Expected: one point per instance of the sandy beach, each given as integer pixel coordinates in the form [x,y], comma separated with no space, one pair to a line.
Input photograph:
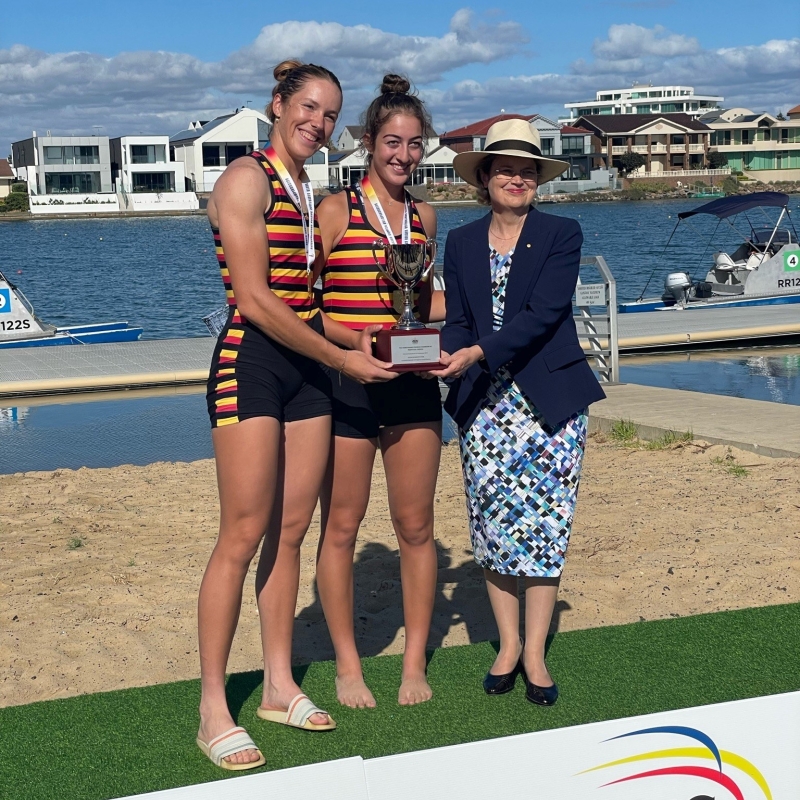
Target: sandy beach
[101,567]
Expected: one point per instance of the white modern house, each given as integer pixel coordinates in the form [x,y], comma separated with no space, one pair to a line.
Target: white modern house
[66,174]
[644,98]
[206,148]
[144,177]
[350,137]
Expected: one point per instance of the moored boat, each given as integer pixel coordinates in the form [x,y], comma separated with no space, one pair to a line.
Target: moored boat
[20,327]
[764,270]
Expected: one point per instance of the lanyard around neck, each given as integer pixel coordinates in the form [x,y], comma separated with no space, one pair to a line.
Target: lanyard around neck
[367,189]
[291,189]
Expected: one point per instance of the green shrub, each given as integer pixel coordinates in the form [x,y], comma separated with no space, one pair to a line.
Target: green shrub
[730,185]
[22,188]
[16,201]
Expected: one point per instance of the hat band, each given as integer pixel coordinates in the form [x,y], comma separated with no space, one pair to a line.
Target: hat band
[514,144]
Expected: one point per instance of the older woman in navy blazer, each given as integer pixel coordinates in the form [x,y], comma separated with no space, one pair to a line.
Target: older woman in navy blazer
[519,392]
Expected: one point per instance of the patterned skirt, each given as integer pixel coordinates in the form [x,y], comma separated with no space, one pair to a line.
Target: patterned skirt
[521,481]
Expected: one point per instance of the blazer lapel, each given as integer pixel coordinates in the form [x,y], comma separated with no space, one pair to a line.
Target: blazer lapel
[478,277]
[529,254]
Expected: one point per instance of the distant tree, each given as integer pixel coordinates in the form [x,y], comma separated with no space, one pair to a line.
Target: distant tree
[780,116]
[730,185]
[717,160]
[632,161]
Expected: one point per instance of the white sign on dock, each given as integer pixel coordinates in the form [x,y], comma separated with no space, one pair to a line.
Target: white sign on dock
[590,294]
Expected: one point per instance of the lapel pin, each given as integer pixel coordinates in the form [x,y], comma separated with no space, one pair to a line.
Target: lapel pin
[528,245]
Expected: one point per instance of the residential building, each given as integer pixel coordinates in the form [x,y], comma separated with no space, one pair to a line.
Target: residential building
[207,148]
[473,136]
[644,98]
[144,177]
[7,177]
[669,143]
[350,137]
[793,113]
[759,145]
[66,173]
[577,146]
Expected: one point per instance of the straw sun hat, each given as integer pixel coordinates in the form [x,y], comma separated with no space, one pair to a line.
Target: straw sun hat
[509,137]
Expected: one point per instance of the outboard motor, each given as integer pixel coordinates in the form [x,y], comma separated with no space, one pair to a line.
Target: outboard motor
[678,288]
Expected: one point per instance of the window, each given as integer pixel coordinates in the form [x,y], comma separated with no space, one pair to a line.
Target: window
[148,153]
[657,94]
[71,182]
[782,159]
[572,145]
[53,155]
[642,109]
[211,155]
[234,151]
[605,97]
[153,182]
[547,147]
[747,137]
[671,108]
[317,158]
[86,154]
[677,138]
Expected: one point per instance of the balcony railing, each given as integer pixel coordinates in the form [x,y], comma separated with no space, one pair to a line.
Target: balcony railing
[682,173]
[677,148]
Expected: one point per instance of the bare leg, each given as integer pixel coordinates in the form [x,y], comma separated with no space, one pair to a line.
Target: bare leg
[504,600]
[411,458]
[540,600]
[344,499]
[303,459]
[246,497]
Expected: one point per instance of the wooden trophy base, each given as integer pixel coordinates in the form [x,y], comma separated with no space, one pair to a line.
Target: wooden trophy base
[417,350]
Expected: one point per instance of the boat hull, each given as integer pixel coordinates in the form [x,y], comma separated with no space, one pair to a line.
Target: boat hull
[104,333]
[740,301]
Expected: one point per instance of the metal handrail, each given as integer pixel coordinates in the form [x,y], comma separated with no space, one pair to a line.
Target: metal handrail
[605,354]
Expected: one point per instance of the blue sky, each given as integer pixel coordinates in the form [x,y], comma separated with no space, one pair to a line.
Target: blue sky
[153,66]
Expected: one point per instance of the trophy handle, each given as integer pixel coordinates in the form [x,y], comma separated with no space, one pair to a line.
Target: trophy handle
[431,248]
[386,271]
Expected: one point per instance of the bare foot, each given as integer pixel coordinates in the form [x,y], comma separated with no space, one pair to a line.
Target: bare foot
[212,725]
[414,690]
[277,698]
[353,692]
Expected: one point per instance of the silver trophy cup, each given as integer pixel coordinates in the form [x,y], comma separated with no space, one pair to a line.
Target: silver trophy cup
[405,265]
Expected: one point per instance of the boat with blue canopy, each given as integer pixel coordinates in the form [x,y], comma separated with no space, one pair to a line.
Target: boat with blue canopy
[763,270]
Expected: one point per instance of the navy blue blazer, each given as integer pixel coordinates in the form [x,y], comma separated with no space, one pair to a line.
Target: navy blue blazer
[538,341]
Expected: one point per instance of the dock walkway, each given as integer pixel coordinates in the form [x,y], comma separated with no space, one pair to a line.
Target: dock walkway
[771,429]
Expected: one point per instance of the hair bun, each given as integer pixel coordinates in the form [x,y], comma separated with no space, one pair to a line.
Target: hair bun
[284,68]
[395,84]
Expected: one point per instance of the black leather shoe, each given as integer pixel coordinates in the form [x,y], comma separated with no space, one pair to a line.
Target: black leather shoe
[541,695]
[501,684]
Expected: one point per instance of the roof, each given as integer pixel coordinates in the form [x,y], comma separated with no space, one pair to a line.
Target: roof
[795,110]
[622,123]
[5,169]
[356,131]
[481,127]
[570,129]
[189,135]
[728,206]
[338,155]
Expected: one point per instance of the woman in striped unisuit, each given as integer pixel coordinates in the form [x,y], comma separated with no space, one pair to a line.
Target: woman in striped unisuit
[404,417]
[269,403]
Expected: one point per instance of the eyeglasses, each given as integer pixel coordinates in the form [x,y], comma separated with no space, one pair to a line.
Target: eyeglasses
[527,174]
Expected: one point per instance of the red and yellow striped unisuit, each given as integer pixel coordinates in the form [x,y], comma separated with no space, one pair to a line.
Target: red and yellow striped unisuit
[354,291]
[288,278]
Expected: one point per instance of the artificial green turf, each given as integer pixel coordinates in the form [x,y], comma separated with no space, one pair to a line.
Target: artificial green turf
[140,740]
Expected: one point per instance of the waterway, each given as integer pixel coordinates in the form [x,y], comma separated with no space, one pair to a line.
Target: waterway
[161,273]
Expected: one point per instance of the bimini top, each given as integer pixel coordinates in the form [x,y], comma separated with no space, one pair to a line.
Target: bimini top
[728,206]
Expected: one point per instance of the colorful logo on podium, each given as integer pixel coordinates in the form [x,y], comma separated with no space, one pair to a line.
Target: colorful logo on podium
[726,769]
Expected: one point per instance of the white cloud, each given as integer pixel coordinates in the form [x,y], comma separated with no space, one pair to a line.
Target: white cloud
[161,91]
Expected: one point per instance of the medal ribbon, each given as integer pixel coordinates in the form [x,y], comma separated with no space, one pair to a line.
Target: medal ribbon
[405,236]
[291,189]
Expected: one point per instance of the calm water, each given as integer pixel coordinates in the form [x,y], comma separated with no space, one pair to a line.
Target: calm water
[161,273]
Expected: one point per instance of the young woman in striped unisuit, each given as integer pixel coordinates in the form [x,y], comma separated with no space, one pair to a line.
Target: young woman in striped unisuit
[404,418]
[269,403]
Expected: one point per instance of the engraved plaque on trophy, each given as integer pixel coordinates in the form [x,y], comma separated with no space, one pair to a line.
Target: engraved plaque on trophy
[409,345]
